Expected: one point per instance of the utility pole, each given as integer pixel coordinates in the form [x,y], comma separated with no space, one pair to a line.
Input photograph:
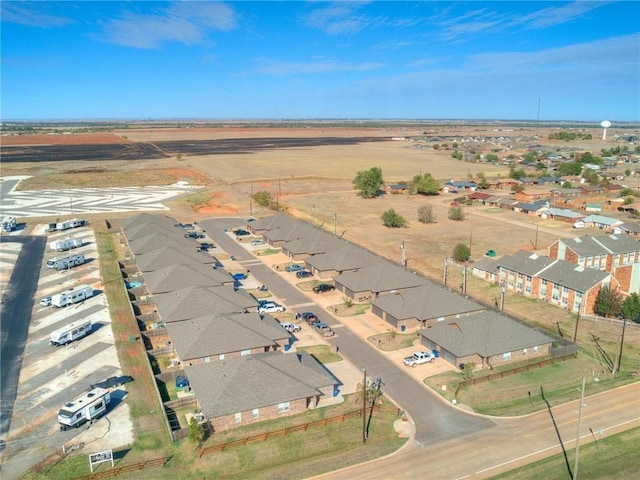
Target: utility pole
[335,223]
[575,332]
[251,201]
[624,326]
[470,234]
[446,267]
[403,255]
[279,188]
[313,214]
[464,279]
[504,289]
[575,466]
[364,408]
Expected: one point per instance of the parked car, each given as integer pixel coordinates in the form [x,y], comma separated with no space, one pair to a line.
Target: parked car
[240,276]
[206,246]
[257,242]
[271,307]
[291,327]
[304,274]
[186,226]
[324,329]
[45,302]
[294,267]
[241,233]
[309,317]
[323,287]
[194,234]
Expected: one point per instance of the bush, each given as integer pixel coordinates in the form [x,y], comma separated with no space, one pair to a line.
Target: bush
[461,252]
[426,214]
[392,219]
[263,198]
[456,213]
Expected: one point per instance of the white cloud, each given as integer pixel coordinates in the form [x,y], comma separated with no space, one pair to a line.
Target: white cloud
[32,14]
[182,22]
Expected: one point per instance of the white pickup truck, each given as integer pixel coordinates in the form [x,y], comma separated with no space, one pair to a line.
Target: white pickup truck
[419,357]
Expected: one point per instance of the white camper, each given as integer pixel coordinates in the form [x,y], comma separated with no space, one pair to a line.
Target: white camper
[73,223]
[70,332]
[86,408]
[73,295]
[68,243]
[62,263]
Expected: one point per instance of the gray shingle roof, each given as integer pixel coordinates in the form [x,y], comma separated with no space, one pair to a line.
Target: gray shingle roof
[524,262]
[424,303]
[170,255]
[630,227]
[380,277]
[347,258]
[212,335]
[175,277]
[196,301]
[486,334]
[144,218]
[486,264]
[151,228]
[160,240]
[587,246]
[315,243]
[243,383]
[573,276]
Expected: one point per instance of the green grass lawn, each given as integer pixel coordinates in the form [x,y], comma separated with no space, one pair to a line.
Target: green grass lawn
[322,352]
[392,341]
[613,457]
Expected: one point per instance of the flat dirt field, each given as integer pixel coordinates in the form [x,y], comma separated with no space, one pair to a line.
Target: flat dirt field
[313,180]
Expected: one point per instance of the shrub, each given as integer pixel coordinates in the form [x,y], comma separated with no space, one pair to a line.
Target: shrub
[456,213]
[392,219]
[461,252]
[426,214]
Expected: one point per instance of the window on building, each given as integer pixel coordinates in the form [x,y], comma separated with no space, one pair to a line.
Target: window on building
[506,356]
[221,356]
[207,359]
[255,413]
[245,352]
[535,349]
[238,417]
[524,352]
[283,407]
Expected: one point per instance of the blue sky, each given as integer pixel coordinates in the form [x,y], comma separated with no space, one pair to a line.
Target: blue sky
[257,60]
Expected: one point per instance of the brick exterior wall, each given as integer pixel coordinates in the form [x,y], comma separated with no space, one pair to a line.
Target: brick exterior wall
[498,360]
[623,276]
[220,424]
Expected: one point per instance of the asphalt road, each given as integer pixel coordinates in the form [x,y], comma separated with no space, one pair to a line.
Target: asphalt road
[435,421]
[15,315]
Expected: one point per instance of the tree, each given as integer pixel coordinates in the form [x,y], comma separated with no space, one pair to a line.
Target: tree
[570,168]
[631,307]
[196,431]
[392,219]
[263,198]
[518,187]
[467,370]
[483,183]
[425,184]
[461,252]
[491,157]
[456,214]
[608,302]
[426,214]
[529,157]
[369,182]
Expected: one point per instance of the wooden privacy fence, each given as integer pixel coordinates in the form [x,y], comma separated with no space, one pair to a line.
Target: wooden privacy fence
[514,371]
[285,431]
[114,472]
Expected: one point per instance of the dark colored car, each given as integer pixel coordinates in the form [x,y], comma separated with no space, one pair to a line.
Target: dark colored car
[304,274]
[241,233]
[194,234]
[309,317]
[186,226]
[323,287]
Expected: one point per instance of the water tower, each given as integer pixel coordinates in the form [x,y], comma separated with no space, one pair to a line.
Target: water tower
[605,124]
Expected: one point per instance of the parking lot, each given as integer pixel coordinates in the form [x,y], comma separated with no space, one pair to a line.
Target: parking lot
[51,376]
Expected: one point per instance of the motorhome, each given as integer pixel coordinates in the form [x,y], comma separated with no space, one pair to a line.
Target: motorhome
[70,332]
[72,295]
[68,243]
[62,263]
[88,407]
